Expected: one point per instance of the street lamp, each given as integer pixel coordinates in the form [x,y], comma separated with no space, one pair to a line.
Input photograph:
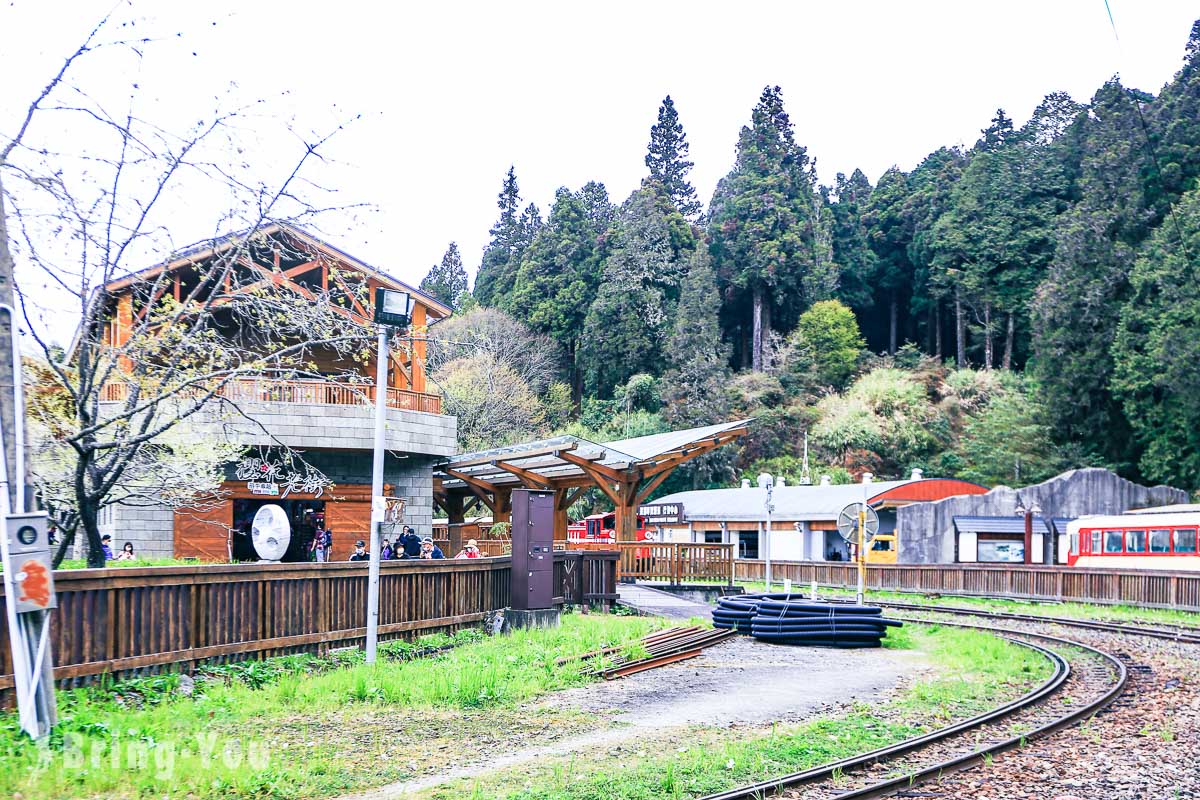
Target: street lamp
[393,309]
[765,481]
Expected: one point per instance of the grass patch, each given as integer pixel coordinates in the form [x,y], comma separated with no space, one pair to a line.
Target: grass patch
[977,671]
[287,729]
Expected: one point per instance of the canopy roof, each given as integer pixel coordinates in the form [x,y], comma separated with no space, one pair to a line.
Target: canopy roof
[568,459]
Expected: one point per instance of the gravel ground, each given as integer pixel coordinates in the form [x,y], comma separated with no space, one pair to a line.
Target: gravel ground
[1144,747]
[744,680]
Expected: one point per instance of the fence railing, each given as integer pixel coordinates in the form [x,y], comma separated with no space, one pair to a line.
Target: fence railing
[124,621]
[1089,585]
[673,562]
[307,392]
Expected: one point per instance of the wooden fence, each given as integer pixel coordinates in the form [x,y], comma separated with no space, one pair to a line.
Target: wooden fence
[1089,585]
[672,562]
[307,392]
[124,621]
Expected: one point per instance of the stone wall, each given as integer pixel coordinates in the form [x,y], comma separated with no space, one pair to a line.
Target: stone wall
[335,427]
[927,529]
[150,529]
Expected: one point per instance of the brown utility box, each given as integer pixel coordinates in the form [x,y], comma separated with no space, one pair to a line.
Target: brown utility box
[532,549]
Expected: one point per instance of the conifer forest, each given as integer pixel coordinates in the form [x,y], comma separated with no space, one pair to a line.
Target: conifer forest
[999,313]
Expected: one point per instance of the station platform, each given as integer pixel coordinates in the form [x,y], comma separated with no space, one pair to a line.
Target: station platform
[647,600]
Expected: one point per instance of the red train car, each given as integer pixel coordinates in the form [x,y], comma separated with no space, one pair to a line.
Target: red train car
[1165,539]
[601,528]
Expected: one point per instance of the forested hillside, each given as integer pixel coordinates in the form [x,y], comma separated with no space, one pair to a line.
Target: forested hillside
[997,313]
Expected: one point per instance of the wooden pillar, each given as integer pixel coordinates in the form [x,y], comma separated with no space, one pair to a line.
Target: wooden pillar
[626,511]
[503,505]
[454,516]
[560,513]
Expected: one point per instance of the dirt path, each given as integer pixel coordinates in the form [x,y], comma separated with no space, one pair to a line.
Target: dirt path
[739,682]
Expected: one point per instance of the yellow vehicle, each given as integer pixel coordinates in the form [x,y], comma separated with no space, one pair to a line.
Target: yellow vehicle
[882,549]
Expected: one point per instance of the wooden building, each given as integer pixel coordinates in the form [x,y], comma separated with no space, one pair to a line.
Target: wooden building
[327,418]
[803,525]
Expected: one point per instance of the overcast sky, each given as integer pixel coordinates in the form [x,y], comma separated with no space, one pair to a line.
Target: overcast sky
[453,93]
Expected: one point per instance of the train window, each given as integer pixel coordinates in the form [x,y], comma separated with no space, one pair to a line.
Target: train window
[1074,544]
[1185,540]
[1135,541]
[1160,541]
[1095,542]
[1112,541]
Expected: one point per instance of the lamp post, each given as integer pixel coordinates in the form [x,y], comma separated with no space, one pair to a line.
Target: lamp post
[765,481]
[393,310]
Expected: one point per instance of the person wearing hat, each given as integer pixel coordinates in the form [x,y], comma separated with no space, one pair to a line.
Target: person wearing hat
[470,551]
[430,550]
[360,551]
[106,546]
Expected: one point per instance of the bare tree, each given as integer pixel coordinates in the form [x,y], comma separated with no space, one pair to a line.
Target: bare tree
[90,196]
[536,359]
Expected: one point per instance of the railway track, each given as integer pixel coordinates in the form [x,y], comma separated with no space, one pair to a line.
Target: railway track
[1085,682]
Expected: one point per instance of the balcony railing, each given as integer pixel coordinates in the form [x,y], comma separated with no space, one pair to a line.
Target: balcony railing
[307,392]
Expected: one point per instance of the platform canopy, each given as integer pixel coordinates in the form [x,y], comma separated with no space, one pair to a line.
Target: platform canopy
[626,471]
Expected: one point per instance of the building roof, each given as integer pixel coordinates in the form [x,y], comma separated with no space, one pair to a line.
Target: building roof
[795,503]
[1175,508]
[1013,524]
[545,458]
[208,248]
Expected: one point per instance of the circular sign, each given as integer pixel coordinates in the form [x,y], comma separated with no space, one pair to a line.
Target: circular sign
[847,522]
[27,534]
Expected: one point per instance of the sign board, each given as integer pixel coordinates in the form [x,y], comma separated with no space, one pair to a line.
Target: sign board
[30,562]
[661,513]
[264,488]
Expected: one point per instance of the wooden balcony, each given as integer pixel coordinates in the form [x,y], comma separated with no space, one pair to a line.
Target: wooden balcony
[306,392]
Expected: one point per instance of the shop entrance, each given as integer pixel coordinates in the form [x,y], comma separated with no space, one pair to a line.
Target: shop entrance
[306,517]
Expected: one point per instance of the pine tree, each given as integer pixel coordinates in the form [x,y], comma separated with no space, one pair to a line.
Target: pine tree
[648,249]
[560,271]
[1157,353]
[930,187]
[501,257]
[694,386]
[1077,306]
[889,233]
[770,231]
[667,159]
[851,241]
[447,281]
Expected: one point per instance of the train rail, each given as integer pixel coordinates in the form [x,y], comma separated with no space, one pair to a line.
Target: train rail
[1081,671]
[1175,633]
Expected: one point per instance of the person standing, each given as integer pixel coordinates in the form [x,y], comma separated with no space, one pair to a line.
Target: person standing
[318,547]
[328,543]
[411,543]
[386,553]
[106,547]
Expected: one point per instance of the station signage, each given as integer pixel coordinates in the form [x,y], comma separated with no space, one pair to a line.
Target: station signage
[661,513]
[263,488]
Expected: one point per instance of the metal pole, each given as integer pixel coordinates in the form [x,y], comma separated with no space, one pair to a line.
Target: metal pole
[770,486]
[377,503]
[862,544]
